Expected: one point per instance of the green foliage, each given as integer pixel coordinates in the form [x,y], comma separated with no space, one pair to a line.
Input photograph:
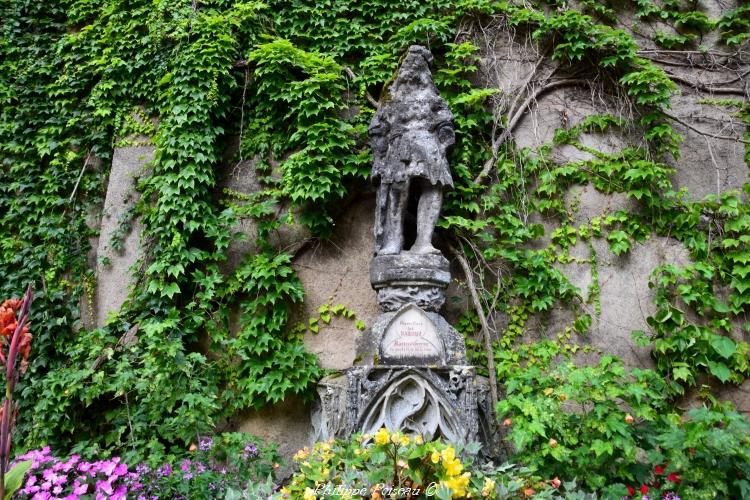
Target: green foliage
[734,25]
[609,427]
[272,364]
[14,478]
[594,443]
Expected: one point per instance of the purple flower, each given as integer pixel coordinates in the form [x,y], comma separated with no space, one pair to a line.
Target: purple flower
[120,493]
[120,470]
[142,469]
[671,495]
[57,490]
[185,465]
[42,495]
[107,467]
[250,451]
[84,467]
[205,444]
[200,467]
[165,470]
[187,476]
[30,489]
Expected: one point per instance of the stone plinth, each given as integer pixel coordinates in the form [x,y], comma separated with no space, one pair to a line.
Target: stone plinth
[410,278]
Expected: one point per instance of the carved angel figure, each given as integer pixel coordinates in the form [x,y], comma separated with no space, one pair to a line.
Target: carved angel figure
[409,136]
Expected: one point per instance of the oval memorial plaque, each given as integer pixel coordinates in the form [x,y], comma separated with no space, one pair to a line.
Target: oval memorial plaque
[411,338]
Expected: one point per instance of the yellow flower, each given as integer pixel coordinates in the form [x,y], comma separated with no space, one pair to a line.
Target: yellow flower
[358,452]
[309,494]
[381,437]
[448,454]
[458,485]
[286,491]
[453,467]
[418,440]
[301,454]
[548,391]
[435,457]
[395,438]
[404,440]
[489,487]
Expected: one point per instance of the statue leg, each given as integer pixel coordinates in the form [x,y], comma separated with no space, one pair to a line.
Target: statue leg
[393,230]
[428,212]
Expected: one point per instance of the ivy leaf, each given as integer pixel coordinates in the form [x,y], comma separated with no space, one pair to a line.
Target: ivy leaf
[719,370]
[724,346]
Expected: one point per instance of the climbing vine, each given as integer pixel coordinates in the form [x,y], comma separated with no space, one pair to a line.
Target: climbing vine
[297,83]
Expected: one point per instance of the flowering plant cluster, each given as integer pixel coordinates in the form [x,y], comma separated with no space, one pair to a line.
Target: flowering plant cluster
[50,477]
[395,465]
[214,466]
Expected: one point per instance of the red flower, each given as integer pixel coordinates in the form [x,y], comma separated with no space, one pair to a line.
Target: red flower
[644,489]
[673,477]
[631,491]
[659,469]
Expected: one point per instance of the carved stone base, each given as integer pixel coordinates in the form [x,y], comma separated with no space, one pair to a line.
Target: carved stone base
[410,278]
[450,403]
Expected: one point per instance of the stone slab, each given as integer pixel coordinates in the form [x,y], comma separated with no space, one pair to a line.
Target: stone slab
[113,269]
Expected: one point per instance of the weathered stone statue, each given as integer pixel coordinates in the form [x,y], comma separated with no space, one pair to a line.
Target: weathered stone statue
[409,136]
[412,371]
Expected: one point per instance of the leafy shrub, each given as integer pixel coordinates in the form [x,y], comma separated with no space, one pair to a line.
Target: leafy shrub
[614,430]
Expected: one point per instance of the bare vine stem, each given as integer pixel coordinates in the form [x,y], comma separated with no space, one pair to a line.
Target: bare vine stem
[703,132]
[706,88]
[464,263]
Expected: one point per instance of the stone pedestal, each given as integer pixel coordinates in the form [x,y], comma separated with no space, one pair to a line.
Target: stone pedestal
[412,373]
[410,278]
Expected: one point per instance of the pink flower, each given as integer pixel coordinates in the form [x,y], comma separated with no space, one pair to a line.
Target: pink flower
[120,470]
[80,489]
[120,493]
[108,467]
[104,486]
